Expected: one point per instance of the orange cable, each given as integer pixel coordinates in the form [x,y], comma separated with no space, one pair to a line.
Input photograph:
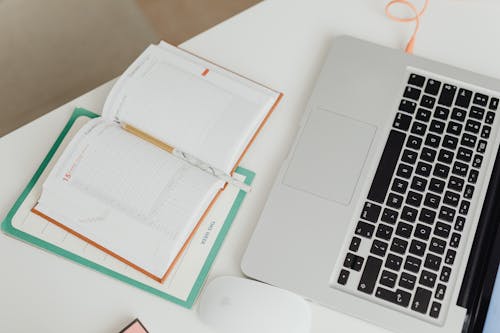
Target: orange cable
[416,18]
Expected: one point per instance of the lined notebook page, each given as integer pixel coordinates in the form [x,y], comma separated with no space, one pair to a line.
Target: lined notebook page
[170,95]
[126,195]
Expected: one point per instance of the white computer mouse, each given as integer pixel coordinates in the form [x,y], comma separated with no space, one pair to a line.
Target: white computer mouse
[234,304]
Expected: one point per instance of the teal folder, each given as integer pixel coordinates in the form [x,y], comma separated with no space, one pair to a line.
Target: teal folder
[9,229]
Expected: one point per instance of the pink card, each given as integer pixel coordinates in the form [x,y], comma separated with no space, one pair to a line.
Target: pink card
[135,327]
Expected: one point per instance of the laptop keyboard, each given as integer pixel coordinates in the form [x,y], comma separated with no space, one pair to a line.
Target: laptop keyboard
[407,241]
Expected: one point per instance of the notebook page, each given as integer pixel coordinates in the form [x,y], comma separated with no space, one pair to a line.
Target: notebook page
[126,195]
[211,116]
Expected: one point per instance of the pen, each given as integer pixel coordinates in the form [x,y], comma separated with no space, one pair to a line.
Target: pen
[187,157]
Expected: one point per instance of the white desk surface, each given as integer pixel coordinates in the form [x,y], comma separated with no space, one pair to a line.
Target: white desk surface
[280,43]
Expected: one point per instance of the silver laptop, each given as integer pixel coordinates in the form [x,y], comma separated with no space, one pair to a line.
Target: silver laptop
[384,196]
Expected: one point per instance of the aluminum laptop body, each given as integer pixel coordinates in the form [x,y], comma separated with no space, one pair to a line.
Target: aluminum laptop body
[313,210]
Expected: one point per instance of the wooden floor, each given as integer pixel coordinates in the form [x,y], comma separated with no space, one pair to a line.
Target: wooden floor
[56,50]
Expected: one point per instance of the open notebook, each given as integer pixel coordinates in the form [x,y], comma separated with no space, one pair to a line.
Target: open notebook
[188,275]
[126,195]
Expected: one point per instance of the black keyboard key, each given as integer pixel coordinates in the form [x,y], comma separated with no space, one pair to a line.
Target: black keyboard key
[399,185]
[389,216]
[412,264]
[416,80]
[432,200]
[427,216]
[365,229]
[447,95]
[447,214]
[435,309]
[407,280]
[456,183]
[463,98]
[428,154]
[458,114]
[399,245]
[441,170]
[454,128]
[464,207]
[468,140]
[445,274]
[485,132]
[427,279]
[476,112]
[432,140]
[418,183]
[432,87]
[445,156]
[427,101]
[477,161]
[402,121]
[437,245]
[481,146]
[451,198]
[468,192]
[417,247]
[472,126]
[432,261]
[404,170]
[349,260]
[440,291]
[423,115]
[407,106]
[388,279]
[455,240]
[464,154]
[494,104]
[422,231]
[379,248]
[394,200]
[384,231]
[421,300]
[418,128]
[409,156]
[423,169]
[358,263]
[442,230]
[450,142]
[437,126]
[370,274]
[414,199]
[441,113]
[343,277]
[450,257]
[409,214]
[473,174]
[490,117]
[404,230]
[386,166]
[393,262]
[460,169]
[370,212]
[414,142]
[480,99]
[437,185]
[459,223]
[354,246]
[398,297]
[412,93]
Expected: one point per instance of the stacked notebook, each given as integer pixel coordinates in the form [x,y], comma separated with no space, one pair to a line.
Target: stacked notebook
[142,192]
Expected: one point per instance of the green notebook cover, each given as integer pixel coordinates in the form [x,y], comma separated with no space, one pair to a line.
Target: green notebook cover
[8,228]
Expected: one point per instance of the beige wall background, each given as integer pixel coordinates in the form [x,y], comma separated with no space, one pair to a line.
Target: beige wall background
[52,51]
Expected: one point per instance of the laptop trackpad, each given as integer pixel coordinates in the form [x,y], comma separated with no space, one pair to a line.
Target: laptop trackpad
[329,156]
